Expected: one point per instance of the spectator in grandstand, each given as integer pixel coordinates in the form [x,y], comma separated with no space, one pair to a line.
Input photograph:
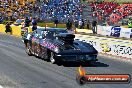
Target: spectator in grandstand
[27,22]
[34,21]
[92,9]
[123,22]
[8,28]
[19,21]
[130,23]
[1,19]
[94,27]
[34,24]
[80,24]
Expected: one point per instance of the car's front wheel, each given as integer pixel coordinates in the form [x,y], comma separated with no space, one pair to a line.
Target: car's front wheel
[52,58]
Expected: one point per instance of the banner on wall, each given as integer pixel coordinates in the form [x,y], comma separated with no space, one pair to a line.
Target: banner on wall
[107,30]
[125,32]
[104,30]
[123,49]
[115,31]
[99,29]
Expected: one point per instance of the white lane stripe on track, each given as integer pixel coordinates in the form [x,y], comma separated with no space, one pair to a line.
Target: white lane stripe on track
[1,86]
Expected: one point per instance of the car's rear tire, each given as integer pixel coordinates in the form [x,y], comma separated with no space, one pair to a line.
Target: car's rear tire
[44,54]
[28,49]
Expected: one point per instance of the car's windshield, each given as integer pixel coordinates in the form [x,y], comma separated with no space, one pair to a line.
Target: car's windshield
[52,33]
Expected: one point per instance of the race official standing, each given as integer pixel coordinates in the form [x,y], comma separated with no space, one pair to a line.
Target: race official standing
[80,24]
[56,22]
[69,24]
[94,27]
[75,25]
[8,28]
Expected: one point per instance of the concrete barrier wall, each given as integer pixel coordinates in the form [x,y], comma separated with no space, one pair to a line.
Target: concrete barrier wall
[2,28]
[16,30]
[115,47]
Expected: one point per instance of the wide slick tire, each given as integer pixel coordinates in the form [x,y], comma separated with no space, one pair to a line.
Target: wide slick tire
[44,54]
[53,60]
[28,49]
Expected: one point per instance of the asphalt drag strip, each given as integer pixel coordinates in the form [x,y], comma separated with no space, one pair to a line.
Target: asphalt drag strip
[18,70]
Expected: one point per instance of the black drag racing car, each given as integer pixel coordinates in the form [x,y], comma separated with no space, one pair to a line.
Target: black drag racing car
[57,45]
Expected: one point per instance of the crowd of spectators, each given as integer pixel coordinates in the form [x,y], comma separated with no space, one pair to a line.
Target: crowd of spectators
[110,12]
[101,10]
[62,10]
[121,12]
[57,11]
[12,9]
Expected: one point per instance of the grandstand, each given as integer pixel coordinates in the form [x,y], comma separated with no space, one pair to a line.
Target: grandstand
[110,12]
[46,10]
[61,10]
[121,12]
[14,9]
[116,1]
